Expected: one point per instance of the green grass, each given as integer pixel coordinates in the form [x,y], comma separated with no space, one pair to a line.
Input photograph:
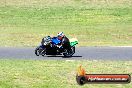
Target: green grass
[100,23]
[57,73]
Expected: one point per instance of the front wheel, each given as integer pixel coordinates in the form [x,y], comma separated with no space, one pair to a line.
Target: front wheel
[40,51]
[69,53]
[37,51]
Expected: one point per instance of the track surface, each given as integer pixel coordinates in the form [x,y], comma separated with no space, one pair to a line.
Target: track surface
[90,53]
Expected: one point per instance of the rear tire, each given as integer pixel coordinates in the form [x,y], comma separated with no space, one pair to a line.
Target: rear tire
[69,53]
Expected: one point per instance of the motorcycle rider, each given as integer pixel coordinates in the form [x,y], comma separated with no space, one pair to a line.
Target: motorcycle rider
[65,43]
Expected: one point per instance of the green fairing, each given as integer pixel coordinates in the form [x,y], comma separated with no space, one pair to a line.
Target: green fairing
[73,43]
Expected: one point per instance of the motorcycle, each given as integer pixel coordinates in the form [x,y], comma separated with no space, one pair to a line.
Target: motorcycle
[50,46]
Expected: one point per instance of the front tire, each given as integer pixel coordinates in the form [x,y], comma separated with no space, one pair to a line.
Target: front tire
[43,52]
[40,51]
[37,51]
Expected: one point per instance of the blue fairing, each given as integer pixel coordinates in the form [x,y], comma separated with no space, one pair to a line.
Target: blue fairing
[55,40]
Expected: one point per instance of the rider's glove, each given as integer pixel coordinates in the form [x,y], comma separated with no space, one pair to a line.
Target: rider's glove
[59,46]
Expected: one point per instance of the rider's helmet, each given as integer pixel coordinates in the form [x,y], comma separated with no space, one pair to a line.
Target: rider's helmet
[60,35]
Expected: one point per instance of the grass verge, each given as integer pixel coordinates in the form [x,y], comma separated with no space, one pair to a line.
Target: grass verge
[94,23]
[57,73]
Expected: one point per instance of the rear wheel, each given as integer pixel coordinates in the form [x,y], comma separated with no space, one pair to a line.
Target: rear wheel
[69,53]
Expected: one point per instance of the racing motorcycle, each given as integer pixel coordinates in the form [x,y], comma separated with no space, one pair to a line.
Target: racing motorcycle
[50,46]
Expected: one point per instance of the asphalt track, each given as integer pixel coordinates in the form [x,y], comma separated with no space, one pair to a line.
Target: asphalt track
[82,53]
